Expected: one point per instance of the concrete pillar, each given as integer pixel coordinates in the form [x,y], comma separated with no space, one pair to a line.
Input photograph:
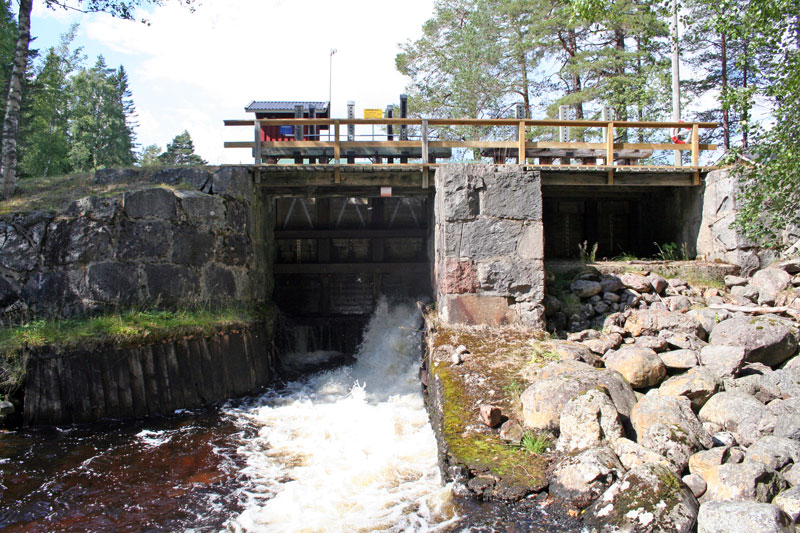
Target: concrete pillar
[489,245]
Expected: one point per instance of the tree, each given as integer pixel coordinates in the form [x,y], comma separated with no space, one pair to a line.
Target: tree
[180,152]
[148,157]
[100,131]
[44,142]
[8,39]
[123,9]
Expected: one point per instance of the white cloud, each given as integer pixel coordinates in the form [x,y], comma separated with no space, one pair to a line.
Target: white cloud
[192,70]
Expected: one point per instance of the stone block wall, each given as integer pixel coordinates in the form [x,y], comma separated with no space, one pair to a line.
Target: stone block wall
[489,245]
[204,240]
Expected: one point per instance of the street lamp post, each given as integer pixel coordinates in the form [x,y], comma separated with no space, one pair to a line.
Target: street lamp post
[330,80]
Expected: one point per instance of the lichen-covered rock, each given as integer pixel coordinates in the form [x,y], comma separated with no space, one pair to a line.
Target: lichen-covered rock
[604,343]
[765,339]
[742,517]
[789,502]
[695,483]
[559,382]
[774,452]
[657,344]
[703,461]
[580,478]
[574,351]
[698,385]
[640,366]
[723,361]
[734,411]
[667,426]
[632,454]
[590,419]
[648,322]
[748,481]
[648,498]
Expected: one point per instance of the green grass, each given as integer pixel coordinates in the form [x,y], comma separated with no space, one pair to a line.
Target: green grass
[56,193]
[535,444]
[112,329]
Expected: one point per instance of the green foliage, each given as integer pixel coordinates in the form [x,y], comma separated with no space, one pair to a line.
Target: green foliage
[148,157]
[180,152]
[670,251]
[514,389]
[535,444]
[586,254]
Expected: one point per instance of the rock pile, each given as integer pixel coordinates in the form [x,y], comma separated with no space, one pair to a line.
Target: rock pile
[684,411]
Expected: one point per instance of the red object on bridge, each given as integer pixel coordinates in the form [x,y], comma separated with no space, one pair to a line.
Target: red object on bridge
[264,109]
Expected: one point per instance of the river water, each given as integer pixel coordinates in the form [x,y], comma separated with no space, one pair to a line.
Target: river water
[345,449]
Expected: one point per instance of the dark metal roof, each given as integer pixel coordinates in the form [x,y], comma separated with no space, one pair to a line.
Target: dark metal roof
[258,106]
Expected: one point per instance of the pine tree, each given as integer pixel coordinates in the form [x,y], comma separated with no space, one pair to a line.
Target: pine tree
[180,152]
[8,38]
[148,157]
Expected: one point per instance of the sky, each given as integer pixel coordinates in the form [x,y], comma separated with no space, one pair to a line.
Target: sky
[193,70]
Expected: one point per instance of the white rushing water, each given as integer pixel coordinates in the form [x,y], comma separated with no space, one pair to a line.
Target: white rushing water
[349,449]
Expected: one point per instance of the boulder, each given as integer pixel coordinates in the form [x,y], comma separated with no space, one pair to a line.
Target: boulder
[729,410]
[667,426]
[742,517]
[770,282]
[747,292]
[647,322]
[632,454]
[703,461]
[636,282]
[580,478]
[156,202]
[678,303]
[490,415]
[648,498]
[604,343]
[611,284]
[774,452]
[574,351]
[658,283]
[588,420]
[583,288]
[559,382]
[695,483]
[683,341]
[723,361]
[679,359]
[789,502]
[765,339]
[511,432]
[734,281]
[657,344]
[641,367]
[698,385]
[748,481]
[792,475]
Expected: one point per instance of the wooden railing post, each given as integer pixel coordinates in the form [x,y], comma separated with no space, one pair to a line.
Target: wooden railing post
[337,153]
[425,168]
[521,149]
[257,143]
[610,152]
[695,145]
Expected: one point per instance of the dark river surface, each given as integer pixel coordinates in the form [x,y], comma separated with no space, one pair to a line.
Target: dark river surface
[345,449]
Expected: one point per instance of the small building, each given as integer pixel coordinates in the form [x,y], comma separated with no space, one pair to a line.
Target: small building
[264,109]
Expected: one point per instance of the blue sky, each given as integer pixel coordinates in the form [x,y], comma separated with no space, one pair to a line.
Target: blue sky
[193,70]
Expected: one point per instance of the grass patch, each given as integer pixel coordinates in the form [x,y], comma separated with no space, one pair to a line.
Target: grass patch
[56,193]
[535,444]
[118,329]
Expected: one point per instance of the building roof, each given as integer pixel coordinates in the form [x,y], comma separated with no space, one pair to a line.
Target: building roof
[259,106]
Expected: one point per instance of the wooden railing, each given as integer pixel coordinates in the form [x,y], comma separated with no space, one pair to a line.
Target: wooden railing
[601,150]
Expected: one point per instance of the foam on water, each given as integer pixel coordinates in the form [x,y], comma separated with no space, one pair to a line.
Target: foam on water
[349,449]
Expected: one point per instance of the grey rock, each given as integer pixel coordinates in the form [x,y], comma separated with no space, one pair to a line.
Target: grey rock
[695,483]
[559,382]
[658,283]
[747,481]
[511,194]
[728,410]
[648,498]
[653,322]
[611,297]
[573,351]
[143,240]
[9,292]
[698,385]
[48,291]
[95,208]
[774,452]
[704,460]
[6,408]
[791,475]
[462,199]
[107,176]
[490,415]
[723,361]
[632,454]
[725,439]
[604,343]
[742,517]
[219,283]
[580,478]
[169,283]
[201,209]
[637,282]
[667,426]
[485,238]
[588,420]
[683,341]
[735,281]
[658,344]
[765,339]
[679,359]
[235,250]
[113,282]
[192,246]
[611,284]
[156,202]
[17,248]
[678,303]
[511,432]
[790,265]
[233,182]
[197,177]
[552,305]
[762,387]
[770,282]
[745,291]
[641,367]
[79,240]
[789,502]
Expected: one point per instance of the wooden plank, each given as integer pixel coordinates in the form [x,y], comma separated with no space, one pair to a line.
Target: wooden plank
[610,144]
[521,140]
[236,122]
[474,144]
[619,179]
[337,148]
[257,144]
[695,145]
[239,144]
[424,142]
[350,268]
[404,233]
[481,122]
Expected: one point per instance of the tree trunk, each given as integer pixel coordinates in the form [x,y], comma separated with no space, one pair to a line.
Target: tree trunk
[8,159]
[726,124]
[746,106]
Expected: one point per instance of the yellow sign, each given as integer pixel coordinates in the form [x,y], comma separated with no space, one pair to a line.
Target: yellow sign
[373,113]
